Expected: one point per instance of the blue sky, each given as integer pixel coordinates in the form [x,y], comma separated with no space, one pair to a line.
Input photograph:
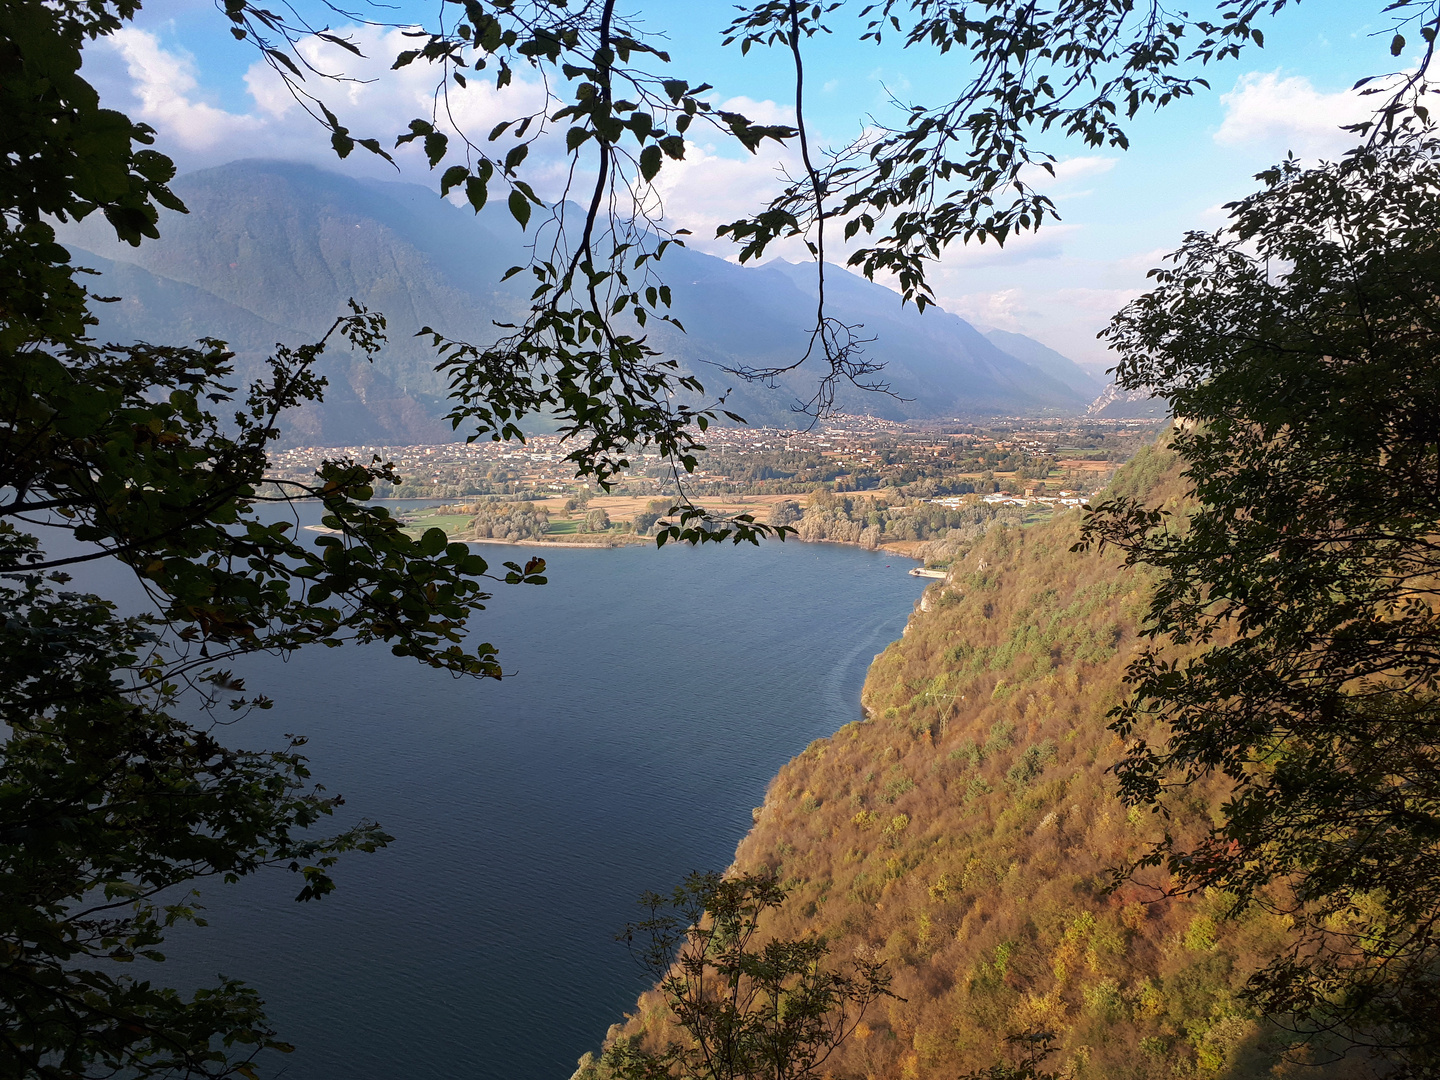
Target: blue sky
[179,69]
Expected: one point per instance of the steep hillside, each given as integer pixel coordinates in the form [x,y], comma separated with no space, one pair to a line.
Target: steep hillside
[965,831]
[271,251]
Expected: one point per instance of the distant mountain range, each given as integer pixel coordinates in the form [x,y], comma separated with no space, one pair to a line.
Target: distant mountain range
[271,251]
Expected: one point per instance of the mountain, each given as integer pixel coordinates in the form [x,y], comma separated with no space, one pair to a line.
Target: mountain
[1046,359]
[937,361]
[271,251]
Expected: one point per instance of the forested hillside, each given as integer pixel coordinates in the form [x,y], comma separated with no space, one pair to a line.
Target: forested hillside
[965,832]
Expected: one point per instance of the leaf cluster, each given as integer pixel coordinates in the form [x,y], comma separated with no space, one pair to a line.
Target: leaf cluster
[108,805]
[1299,346]
[971,168]
[115,791]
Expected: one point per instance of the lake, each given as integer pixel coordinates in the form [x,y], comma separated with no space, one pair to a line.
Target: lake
[654,695]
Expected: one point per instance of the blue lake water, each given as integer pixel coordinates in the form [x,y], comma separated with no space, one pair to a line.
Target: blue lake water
[655,693]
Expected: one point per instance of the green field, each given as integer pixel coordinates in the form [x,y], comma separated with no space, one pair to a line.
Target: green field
[451,523]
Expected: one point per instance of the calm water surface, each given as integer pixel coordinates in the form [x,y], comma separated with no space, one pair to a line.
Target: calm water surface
[655,694]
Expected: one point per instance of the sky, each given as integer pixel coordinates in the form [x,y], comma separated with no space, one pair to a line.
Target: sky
[211,101]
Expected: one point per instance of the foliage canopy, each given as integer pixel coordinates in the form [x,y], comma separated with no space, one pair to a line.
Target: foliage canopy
[111,802]
[1299,346]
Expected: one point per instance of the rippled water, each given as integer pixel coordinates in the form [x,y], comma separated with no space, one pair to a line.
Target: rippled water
[655,694]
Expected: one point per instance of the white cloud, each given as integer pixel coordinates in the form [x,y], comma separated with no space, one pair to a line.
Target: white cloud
[164,83]
[1023,247]
[760,112]
[1289,114]
[1004,309]
[366,96]
[1098,302]
[701,192]
[708,188]
[1068,171]
[1134,266]
[373,100]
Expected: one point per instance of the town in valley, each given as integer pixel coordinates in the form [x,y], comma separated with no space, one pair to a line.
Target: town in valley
[901,486]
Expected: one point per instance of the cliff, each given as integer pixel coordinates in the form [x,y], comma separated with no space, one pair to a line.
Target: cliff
[965,834]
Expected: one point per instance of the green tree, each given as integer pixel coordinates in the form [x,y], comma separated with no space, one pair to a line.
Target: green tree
[785,512]
[1300,346]
[654,510]
[110,804]
[750,1008]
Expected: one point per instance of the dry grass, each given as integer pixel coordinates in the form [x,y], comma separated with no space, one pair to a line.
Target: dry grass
[625,507]
[1084,465]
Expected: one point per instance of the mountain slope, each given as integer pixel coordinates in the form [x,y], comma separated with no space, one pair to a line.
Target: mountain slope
[926,352]
[283,247]
[1056,365]
[965,834]
[1118,404]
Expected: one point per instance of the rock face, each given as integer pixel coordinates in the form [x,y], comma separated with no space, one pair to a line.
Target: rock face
[1117,404]
[272,251]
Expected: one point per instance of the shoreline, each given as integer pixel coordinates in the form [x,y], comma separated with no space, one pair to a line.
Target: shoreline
[538,543]
[631,540]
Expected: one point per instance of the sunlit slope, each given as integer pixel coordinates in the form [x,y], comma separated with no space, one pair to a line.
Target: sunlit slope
[966,831]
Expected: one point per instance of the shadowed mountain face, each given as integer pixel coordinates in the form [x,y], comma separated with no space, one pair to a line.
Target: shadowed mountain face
[270,252]
[1049,361]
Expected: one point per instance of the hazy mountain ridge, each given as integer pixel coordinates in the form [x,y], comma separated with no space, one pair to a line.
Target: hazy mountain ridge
[1046,359]
[272,251]
[926,344]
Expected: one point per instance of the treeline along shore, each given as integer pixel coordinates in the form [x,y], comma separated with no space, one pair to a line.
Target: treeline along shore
[931,532]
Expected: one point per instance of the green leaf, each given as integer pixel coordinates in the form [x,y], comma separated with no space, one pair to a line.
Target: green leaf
[520,208]
[650,162]
[453,176]
[436,143]
[476,192]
